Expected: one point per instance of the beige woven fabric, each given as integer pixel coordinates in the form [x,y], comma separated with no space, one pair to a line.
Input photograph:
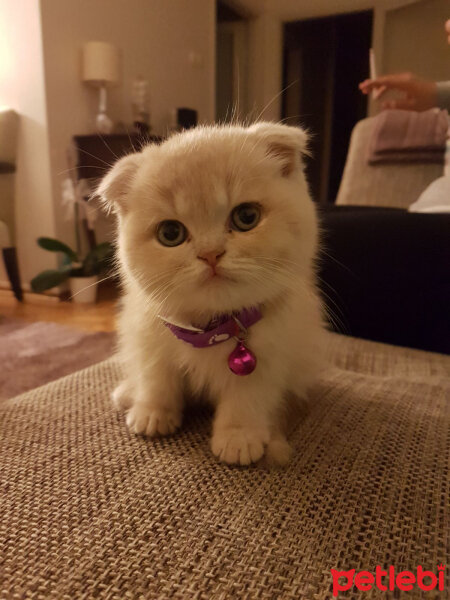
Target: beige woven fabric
[90,511]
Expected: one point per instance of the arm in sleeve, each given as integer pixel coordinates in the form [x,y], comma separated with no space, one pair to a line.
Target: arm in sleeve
[443,94]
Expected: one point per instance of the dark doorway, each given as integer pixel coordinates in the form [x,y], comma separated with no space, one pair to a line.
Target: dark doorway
[231,63]
[324,60]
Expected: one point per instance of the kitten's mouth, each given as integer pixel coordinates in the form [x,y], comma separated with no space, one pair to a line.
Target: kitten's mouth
[216,274]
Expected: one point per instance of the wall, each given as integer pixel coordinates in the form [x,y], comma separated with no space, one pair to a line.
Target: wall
[22,88]
[266,23]
[155,37]
[290,10]
[415,40]
[265,67]
[40,46]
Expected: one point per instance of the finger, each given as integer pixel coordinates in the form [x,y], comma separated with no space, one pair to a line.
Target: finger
[379,92]
[447,26]
[367,85]
[401,81]
[373,84]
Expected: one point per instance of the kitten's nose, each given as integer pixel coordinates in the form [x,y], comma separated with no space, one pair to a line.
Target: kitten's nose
[212,257]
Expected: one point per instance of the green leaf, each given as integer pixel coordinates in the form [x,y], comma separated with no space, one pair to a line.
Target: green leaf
[57,246]
[49,279]
[98,259]
[104,251]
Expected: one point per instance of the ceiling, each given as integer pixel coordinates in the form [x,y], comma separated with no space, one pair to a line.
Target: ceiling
[297,9]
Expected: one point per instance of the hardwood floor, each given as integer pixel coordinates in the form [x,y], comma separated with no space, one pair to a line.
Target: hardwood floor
[87,317]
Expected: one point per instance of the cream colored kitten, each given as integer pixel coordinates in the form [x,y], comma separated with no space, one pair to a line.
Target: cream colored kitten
[215,220]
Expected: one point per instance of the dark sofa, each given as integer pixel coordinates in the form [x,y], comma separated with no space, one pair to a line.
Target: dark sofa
[385,275]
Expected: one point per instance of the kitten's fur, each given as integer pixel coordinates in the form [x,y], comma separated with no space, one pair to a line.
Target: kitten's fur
[197,177]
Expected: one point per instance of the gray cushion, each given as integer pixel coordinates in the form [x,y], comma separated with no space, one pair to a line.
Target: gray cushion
[396,185]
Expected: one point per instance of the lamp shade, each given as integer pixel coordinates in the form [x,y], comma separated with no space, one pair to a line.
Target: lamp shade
[100,63]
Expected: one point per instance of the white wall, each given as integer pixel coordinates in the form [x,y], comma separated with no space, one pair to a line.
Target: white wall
[40,45]
[155,38]
[267,18]
[265,67]
[266,43]
[22,88]
[415,40]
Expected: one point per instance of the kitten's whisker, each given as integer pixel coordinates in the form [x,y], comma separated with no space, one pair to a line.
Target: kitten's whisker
[295,117]
[152,291]
[331,257]
[275,98]
[131,143]
[322,282]
[284,279]
[238,106]
[108,147]
[81,167]
[89,286]
[109,165]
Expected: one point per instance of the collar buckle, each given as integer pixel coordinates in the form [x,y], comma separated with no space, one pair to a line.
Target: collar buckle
[242,332]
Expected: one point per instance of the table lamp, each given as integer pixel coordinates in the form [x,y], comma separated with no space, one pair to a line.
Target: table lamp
[100,68]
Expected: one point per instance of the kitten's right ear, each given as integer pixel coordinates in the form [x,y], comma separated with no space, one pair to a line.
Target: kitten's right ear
[114,187]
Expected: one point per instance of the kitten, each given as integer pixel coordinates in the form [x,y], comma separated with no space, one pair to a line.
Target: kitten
[213,221]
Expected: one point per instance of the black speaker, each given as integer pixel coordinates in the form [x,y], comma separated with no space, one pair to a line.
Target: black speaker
[186,118]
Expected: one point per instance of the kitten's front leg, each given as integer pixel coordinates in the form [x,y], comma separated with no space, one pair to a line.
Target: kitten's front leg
[244,422]
[158,402]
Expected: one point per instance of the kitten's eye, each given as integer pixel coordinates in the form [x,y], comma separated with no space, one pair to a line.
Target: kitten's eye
[171,233]
[245,216]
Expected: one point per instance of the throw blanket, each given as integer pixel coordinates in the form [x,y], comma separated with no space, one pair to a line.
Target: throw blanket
[408,136]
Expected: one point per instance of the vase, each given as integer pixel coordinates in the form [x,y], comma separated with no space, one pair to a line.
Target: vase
[83,290]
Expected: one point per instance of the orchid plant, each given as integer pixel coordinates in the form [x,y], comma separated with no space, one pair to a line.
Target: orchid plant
[96,261]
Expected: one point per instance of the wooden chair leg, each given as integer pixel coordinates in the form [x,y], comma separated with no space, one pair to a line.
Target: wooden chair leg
[12,269]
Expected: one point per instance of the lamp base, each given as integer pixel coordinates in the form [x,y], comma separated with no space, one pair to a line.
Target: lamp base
[103,123]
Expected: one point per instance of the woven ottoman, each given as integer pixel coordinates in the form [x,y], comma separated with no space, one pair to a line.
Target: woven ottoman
[90,511]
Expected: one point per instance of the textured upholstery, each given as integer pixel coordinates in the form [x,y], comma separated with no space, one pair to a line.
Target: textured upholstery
[90,511]
[9,121]
[393,185]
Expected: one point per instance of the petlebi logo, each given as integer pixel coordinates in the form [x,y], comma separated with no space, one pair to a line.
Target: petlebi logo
[389,579]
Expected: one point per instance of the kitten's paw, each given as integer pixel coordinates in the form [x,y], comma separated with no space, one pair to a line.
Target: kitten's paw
[278,452]
[147,420]
[235,445]
[121,396]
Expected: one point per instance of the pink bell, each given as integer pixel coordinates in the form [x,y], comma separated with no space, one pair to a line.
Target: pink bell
[242,361]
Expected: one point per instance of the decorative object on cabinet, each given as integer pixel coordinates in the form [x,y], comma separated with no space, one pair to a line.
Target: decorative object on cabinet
[141,106]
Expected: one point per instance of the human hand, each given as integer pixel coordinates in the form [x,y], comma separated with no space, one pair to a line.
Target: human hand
[419,94]
[447,30]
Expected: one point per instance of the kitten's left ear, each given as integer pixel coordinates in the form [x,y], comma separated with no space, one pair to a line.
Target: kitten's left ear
[284,143]
[116,184]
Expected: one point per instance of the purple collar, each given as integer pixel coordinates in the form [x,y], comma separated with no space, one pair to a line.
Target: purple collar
[218,330]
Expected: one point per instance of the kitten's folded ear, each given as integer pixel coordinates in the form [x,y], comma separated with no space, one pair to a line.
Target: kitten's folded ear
[114,187]
[284,143]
